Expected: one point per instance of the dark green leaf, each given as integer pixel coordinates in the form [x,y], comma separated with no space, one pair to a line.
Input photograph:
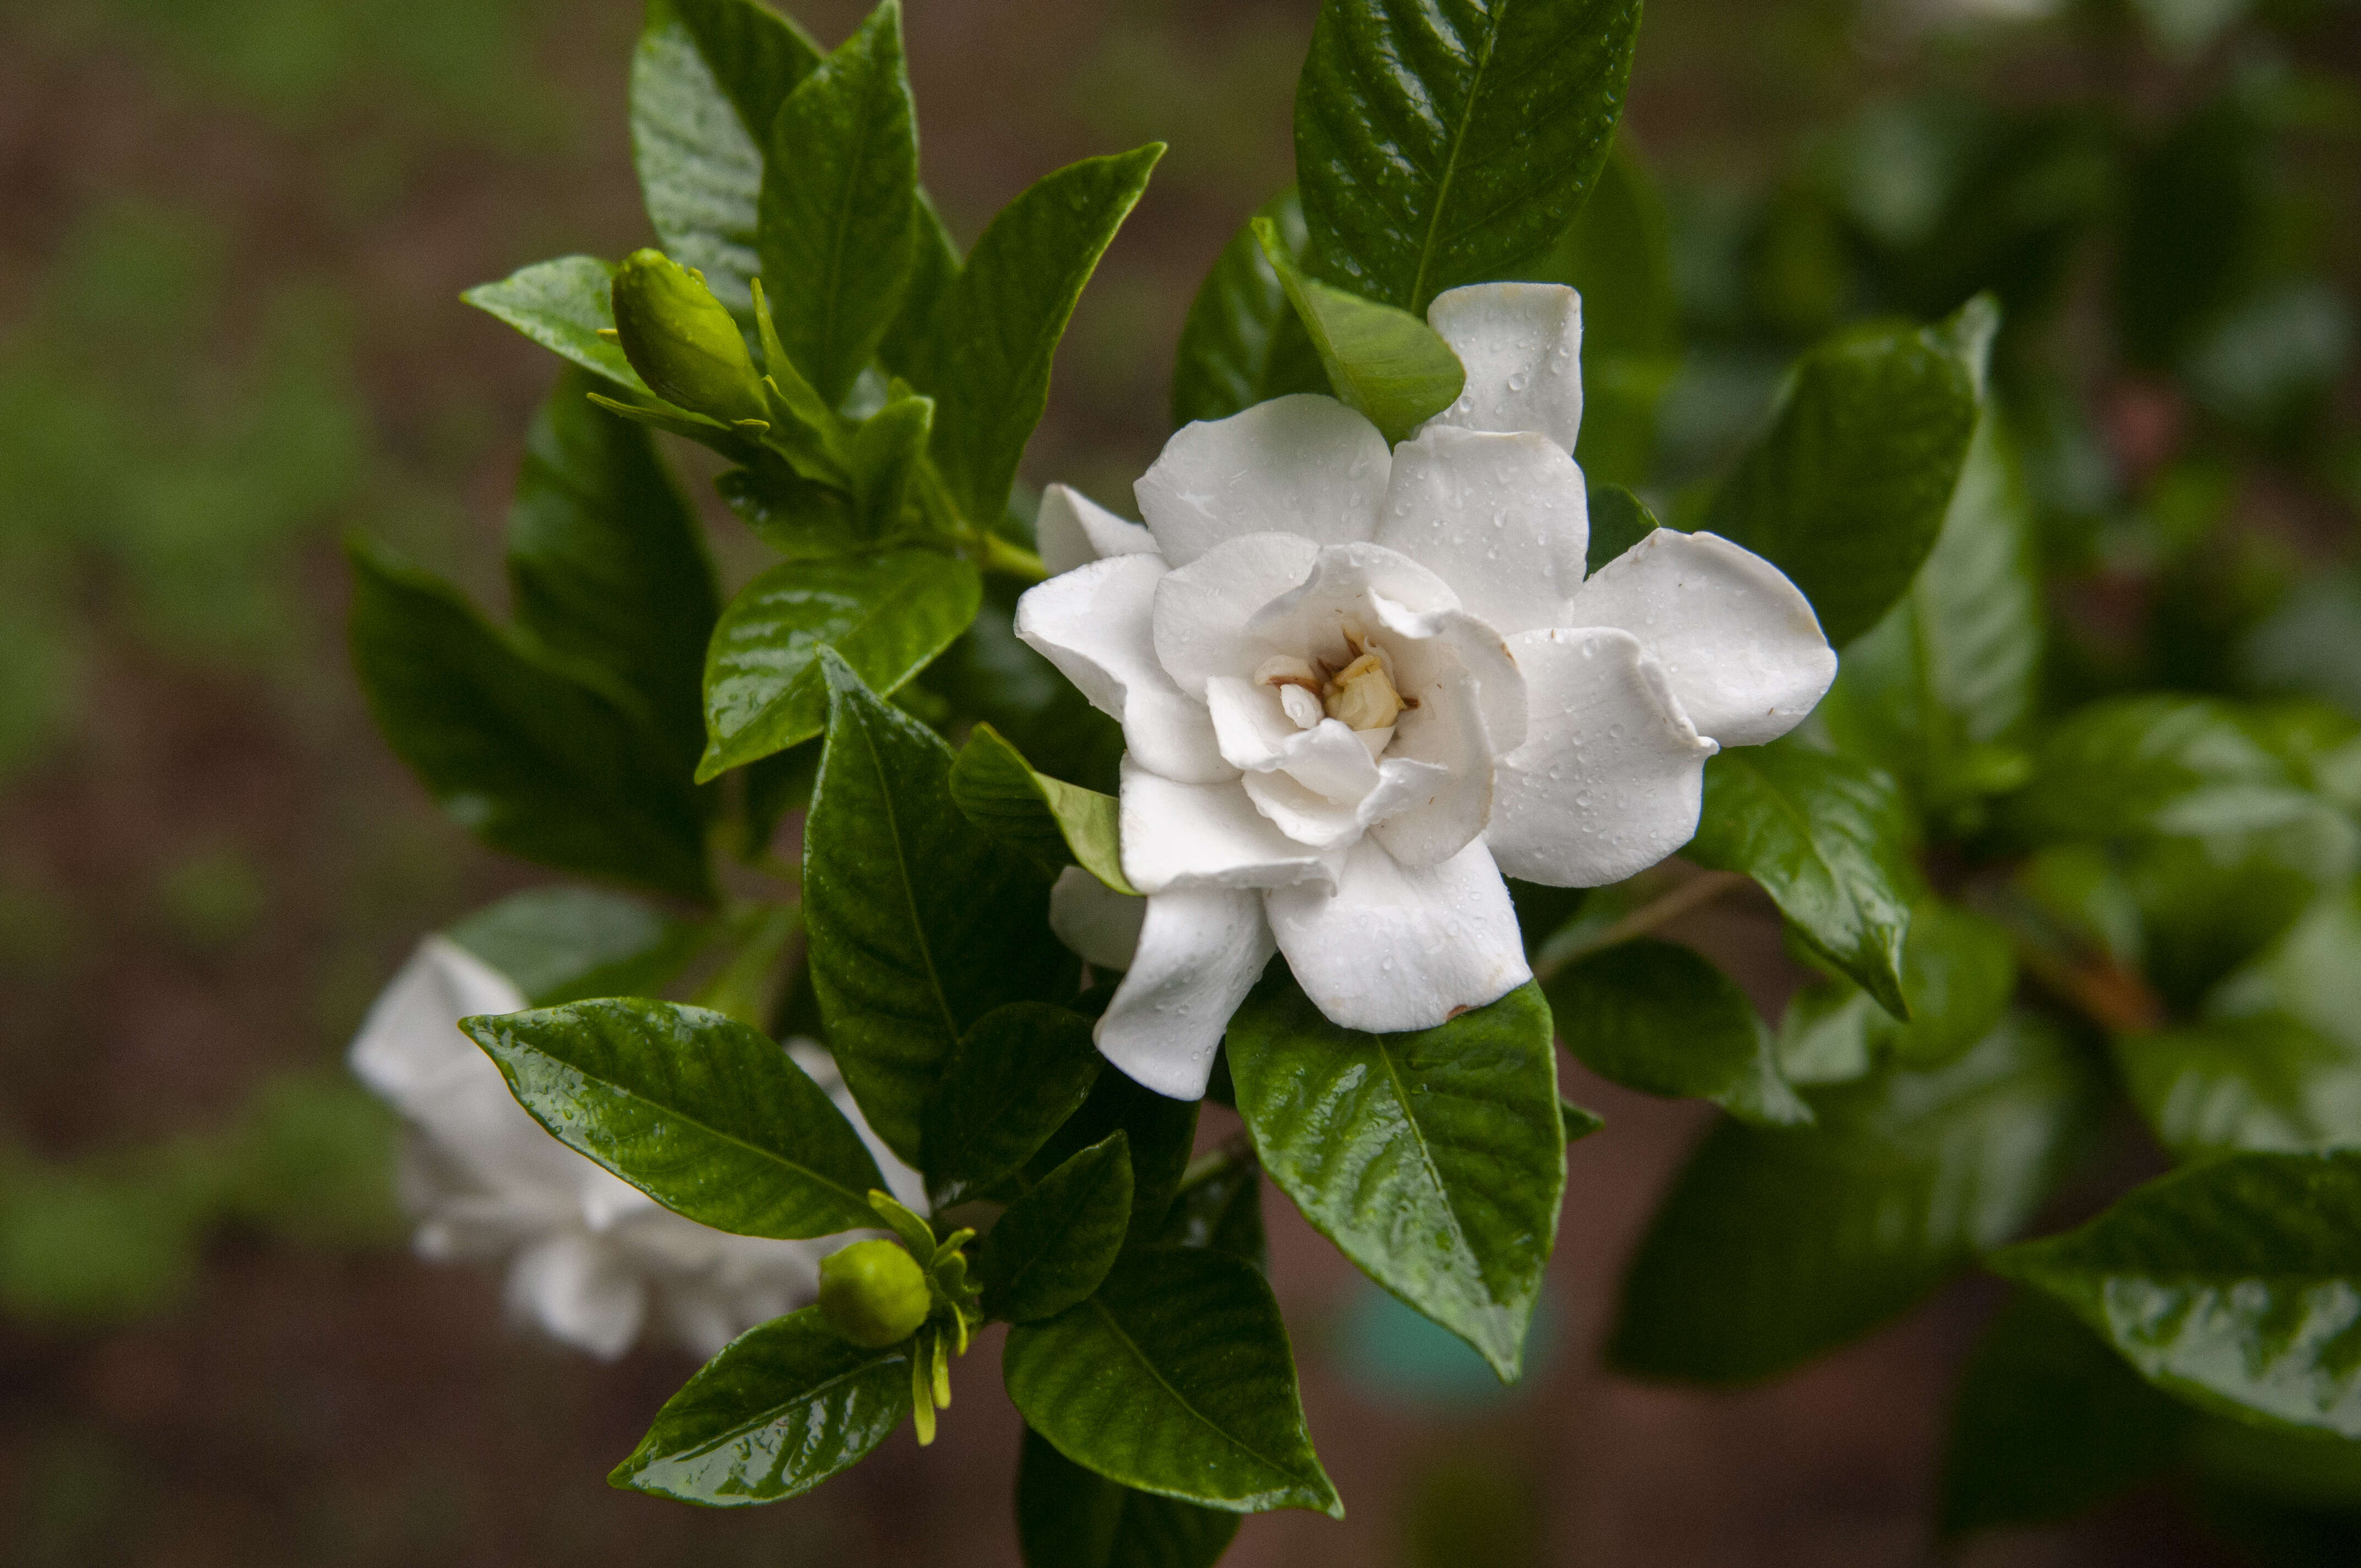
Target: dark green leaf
[2263,1082]
[1828,838]
[707,83]
[783,1408]
[1959,971]
[1580,1124]
[1056,824]
[1661,1018]
[920,923]
[997,329]
[1618,519]
[2159,764]
[1068,1517]
[1776,1246]
[1242,343]
[1049,1251]
[1161,1133]
[1385,362]
[1441,144]
[989,673]
[563,305]
[704,1115]
[562,944]
[2048,1422]
[607,564]
[1015,1077]
[2234,1284]
[884,615]
[934,265]
[1433,1160]
[799,519]
[886,451]
[1175,1378]
[1847,491]
[839,200]
[527,758]
[1220,1206]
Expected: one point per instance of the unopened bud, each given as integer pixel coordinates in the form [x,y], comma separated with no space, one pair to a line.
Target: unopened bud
[684,345]
[873,1293]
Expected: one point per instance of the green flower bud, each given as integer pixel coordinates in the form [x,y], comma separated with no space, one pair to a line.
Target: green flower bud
[873,1293]
[681,340]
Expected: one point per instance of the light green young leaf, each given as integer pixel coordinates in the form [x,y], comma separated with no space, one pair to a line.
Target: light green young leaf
[884,456]
[1776,1246]
[1015,1079]
[786,1405]
[1054,1244]
[1828,838]
[563,305]
[839,203]
[920,923]
[1442,144]
[1242,343]
[1385,362]
[2234,1284]
[703,1113]
[885,615]
[996,332]
[1433,1160]
[1175,1378]
[707,83]
[607,564]
[522,755]
[1057,824]
[1578,1122]
[1661,1018]
[1847,490]
[561,944]
[1068,1517]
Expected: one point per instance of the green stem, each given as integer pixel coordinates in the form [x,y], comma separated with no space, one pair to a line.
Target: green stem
[1001,555]
[1691,896]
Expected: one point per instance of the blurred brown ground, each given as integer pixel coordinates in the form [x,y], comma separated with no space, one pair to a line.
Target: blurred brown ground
[358,1407]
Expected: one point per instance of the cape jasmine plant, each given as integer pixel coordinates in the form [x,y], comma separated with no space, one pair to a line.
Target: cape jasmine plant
[1028,829]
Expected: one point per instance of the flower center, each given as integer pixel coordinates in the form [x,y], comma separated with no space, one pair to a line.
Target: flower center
[1361,696]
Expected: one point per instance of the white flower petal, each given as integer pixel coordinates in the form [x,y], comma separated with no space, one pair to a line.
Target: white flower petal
[577,1291]
[1095,624]
[1504,519]
[1393,950]
[1738,642]
[1304,465]
[1609,783]
[1521,347]
[1257,737]
[1322,823]
[1201,950]
[1445,736]
[1430,651]
[1096,922]
[1202,608]
[1188,835]
[1343,585]
[1071,530]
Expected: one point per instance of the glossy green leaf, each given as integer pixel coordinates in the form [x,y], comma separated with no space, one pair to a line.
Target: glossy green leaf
[1242,343]
[1661,1018]
[839,200]
[1959,971]
[997,329]
[1175,1378]
[1578,1122]
[1829,839]
[607,564]
[2234,1284]
[1618,519]
[523,755]
[801,519]
[1433,1160]
[1442,144]
[1056,824]
[1054,1244]
[786,1405]
[2048,1422]
[1160,1133]
[1219,1205]
[1846,492]
[705,1115]
[562,944]
[707,83]
[1068,1517]
[885,452]
[887,616]
[1776,1246]
[2159,763]
[1014,1078]
[1385,362]
[934,264]
[563,305]
[920,923]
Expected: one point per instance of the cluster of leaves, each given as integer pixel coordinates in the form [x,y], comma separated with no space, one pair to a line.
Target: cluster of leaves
[1947,828]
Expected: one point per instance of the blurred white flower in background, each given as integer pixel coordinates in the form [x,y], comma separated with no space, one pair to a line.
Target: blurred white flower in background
[1359,685]
[594,1262]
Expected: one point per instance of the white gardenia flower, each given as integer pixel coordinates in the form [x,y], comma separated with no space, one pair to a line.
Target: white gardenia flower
[1359,685]
[594,1259]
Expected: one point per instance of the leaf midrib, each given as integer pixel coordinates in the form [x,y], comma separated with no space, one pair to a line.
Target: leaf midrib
[796,684]
[909,891]
[773,1414]
[1427,242]
[1181,1399]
